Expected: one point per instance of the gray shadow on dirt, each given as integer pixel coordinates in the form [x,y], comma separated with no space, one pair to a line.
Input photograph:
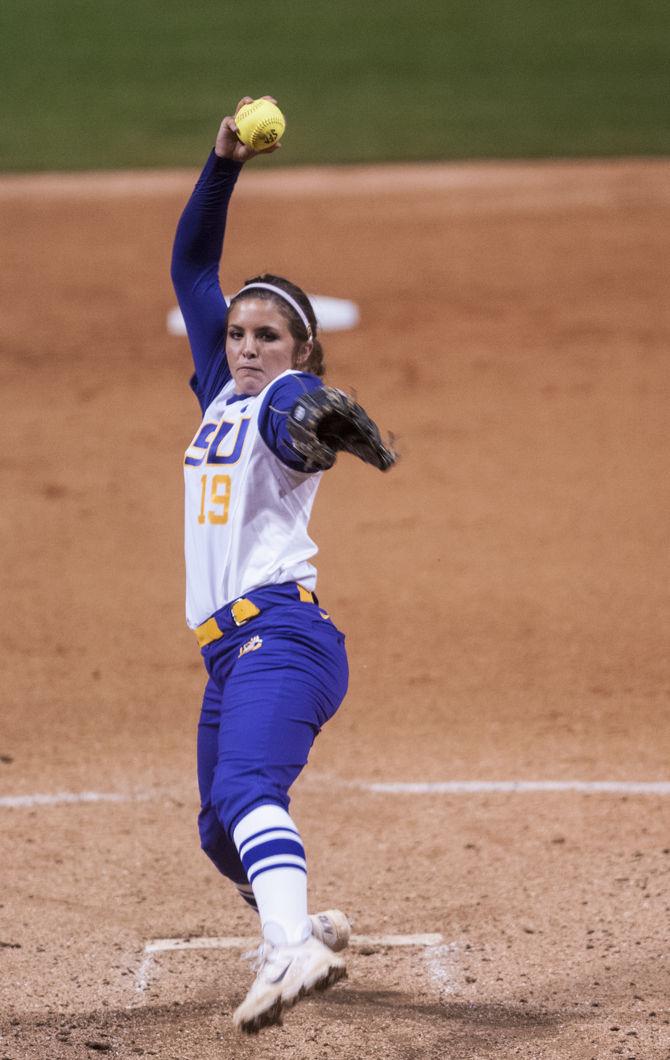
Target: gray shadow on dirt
[397,1024]
[495,1016]
[380,1021]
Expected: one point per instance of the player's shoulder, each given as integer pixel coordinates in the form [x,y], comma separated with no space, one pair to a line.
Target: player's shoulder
[277,401]
[284,391]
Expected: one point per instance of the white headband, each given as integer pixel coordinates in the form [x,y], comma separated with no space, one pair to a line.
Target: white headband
[282,294]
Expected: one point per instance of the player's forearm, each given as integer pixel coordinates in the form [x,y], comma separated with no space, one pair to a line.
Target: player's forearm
[195,262]
[200,233]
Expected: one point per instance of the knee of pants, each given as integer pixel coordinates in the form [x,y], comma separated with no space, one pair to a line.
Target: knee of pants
[237,790]
[218,847]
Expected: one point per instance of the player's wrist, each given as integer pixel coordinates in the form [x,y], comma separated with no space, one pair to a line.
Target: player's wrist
[225,164]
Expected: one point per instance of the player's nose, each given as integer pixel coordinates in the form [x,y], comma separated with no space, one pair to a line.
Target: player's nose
[249,350]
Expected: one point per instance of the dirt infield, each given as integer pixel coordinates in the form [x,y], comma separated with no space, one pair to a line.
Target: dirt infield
[504,592]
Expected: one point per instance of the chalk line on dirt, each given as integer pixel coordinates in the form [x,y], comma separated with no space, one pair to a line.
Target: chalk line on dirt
[143,973]
[439,962]
[63,797]
[521,787]
[438,787]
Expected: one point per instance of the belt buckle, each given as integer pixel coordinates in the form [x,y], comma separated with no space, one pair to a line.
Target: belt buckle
[242,609]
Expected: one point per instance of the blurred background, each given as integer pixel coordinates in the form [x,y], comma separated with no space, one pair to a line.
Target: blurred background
[140,83]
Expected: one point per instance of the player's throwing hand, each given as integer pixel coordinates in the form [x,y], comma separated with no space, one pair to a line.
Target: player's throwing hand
[228,144]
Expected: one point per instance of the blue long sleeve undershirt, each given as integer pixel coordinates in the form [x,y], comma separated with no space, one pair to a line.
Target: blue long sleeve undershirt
[196,257]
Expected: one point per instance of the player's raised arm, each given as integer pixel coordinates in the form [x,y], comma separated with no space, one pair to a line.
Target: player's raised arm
[197,252]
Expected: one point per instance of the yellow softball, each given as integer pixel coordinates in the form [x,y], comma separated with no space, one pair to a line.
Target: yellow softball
[260,124]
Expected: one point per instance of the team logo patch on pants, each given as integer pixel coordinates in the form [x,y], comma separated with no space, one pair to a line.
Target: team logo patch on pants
[251,645]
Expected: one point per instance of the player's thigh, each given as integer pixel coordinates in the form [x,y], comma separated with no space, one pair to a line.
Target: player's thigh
[278,696]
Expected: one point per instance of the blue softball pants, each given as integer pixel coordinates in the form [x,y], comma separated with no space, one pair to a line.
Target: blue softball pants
[273,683]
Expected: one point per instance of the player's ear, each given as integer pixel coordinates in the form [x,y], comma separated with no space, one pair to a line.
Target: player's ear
[302,354]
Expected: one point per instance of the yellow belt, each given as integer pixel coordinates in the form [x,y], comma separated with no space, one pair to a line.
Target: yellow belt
[241,611]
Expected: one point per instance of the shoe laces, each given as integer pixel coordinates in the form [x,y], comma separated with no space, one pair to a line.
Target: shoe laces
[267,960]
[258,956]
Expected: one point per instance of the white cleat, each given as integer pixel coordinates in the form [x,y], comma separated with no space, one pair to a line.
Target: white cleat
[285,974]
[332,928]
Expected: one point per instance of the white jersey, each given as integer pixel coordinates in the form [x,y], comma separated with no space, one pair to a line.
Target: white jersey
[246,511]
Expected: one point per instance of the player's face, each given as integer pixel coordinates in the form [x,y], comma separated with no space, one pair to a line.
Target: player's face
[259,345]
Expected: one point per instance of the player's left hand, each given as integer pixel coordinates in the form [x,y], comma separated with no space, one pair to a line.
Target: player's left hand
[326,421]
[228,144]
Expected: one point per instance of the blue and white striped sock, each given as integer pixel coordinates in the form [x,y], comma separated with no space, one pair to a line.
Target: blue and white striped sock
[273,857]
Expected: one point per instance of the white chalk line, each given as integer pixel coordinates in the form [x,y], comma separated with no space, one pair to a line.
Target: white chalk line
[440,962]
[518,787]
[438,787]
[65,797]
[144,973]
[247,942]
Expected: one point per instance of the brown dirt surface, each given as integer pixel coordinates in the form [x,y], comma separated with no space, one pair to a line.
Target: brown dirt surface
[504,592]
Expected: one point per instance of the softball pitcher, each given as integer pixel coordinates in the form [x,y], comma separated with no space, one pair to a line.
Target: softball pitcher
[276,663]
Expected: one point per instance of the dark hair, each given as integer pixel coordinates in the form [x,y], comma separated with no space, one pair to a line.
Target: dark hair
[297,329]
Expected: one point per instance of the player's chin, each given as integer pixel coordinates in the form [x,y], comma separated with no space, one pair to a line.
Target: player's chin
[250,381]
